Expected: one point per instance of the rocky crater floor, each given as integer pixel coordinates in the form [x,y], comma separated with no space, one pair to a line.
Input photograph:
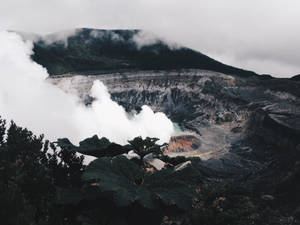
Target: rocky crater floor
[236,125]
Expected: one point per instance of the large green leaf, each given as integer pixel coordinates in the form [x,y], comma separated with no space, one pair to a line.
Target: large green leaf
[145,146]
[130,184]
[174,187]
[118,175]
[94,146]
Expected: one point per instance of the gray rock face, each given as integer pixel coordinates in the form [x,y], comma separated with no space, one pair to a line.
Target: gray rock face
[278,124]
[237,121]
[187,96]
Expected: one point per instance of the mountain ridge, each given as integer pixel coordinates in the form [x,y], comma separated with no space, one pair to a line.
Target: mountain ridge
[88,49]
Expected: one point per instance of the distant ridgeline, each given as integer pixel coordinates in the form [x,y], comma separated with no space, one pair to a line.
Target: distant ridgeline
[102,50]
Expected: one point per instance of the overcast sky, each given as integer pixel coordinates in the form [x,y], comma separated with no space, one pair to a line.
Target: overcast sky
[259,35]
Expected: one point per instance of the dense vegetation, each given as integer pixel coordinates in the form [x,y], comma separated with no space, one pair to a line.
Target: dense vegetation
[46,183]
[101,50]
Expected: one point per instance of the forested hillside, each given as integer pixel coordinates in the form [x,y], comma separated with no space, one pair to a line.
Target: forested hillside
[101,50]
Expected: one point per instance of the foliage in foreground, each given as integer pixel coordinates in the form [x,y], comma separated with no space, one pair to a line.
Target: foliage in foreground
[131,186]
[30,175]
[42,184]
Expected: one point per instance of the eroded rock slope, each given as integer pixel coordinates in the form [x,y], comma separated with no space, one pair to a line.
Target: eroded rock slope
[237,125]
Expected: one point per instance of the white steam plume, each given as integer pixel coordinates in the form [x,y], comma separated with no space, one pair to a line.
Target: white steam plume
[32,102]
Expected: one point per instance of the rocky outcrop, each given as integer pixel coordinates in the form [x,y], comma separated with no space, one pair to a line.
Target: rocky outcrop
[277,124]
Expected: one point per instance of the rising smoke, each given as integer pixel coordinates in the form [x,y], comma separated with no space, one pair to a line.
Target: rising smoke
[32,102]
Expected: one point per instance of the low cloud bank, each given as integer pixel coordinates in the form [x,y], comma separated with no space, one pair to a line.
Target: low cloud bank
[32,102]
[258,35]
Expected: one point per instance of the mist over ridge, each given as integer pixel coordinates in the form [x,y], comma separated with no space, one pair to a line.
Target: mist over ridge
[91,50]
